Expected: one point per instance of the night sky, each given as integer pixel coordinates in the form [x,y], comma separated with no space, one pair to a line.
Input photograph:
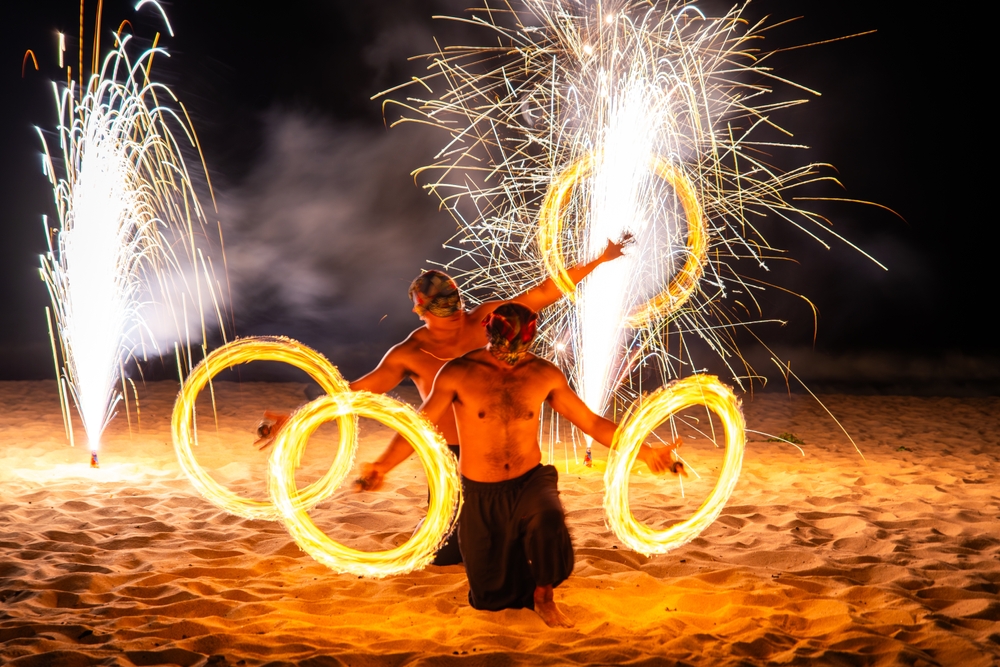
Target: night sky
[325,227]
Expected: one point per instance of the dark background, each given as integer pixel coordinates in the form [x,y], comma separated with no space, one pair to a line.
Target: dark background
[325,227]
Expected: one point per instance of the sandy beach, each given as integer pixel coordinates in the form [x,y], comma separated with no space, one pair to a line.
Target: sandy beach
[821,557]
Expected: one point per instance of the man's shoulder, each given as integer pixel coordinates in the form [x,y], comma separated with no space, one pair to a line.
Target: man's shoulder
[459,370]
[541,373]
[471,359]
[405,350]
[411,343]
[540,364]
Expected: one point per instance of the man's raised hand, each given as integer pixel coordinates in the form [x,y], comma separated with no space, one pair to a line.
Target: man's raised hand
[616,249]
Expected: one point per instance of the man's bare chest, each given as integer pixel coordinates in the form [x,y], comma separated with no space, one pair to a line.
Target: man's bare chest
[426,357]
[502,399]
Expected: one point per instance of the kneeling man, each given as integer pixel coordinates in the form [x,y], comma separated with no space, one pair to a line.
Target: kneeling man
[512,529]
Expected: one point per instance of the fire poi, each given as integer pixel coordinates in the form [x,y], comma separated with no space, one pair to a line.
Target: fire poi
[291,505]
[241,351]
[440,466]
[703,390]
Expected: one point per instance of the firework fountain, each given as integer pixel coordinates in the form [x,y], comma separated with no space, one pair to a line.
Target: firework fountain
[129,219]
[581,121]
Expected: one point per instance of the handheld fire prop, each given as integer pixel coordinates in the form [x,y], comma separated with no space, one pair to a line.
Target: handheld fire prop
[241,351]
[290,504]
[442,480]
[128,217]
[703,390]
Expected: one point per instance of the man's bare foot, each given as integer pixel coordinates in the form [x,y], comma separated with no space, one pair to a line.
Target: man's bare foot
[545,606]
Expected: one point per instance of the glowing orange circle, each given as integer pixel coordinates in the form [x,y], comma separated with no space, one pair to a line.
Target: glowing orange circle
[683,284]
[241,351]
[442,481]
[704,390]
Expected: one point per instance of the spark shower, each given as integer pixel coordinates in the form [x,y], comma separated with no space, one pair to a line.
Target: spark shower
[574,122]
[130,232]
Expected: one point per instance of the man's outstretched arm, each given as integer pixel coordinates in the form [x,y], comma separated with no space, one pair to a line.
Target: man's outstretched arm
[384,377]
[433,409]
[546,292]
[565,401]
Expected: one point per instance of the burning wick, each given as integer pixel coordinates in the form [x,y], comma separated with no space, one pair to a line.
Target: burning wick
[93,459]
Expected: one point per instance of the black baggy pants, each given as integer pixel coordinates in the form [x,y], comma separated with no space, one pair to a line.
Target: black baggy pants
[449,553]
[513,538]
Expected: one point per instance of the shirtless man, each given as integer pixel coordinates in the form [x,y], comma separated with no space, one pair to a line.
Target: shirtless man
[512,528]
[449,331]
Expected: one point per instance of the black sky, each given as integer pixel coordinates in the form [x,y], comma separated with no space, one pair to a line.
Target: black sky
[288,89]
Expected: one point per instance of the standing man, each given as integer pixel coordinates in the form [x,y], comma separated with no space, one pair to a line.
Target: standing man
[449,331]
[512,528]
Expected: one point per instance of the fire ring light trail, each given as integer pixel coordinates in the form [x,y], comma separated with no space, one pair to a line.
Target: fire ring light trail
[684,283]
[442,481]
[704,390]
[242,351]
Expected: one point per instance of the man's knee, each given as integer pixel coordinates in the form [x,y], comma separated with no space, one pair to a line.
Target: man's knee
[548,521]
[548,547]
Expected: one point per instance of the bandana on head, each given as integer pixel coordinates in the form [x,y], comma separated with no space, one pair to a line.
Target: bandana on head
[436,293]
[510,330]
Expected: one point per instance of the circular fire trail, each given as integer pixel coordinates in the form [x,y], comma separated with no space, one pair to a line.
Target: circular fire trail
[440,466]
[290,504]
[703,390]
[683,284]
[242,351]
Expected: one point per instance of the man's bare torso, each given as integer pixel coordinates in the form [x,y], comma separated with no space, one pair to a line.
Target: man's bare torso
[496,408]
[424,352]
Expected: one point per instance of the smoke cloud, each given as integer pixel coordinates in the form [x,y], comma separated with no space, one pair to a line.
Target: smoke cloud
[325,234]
